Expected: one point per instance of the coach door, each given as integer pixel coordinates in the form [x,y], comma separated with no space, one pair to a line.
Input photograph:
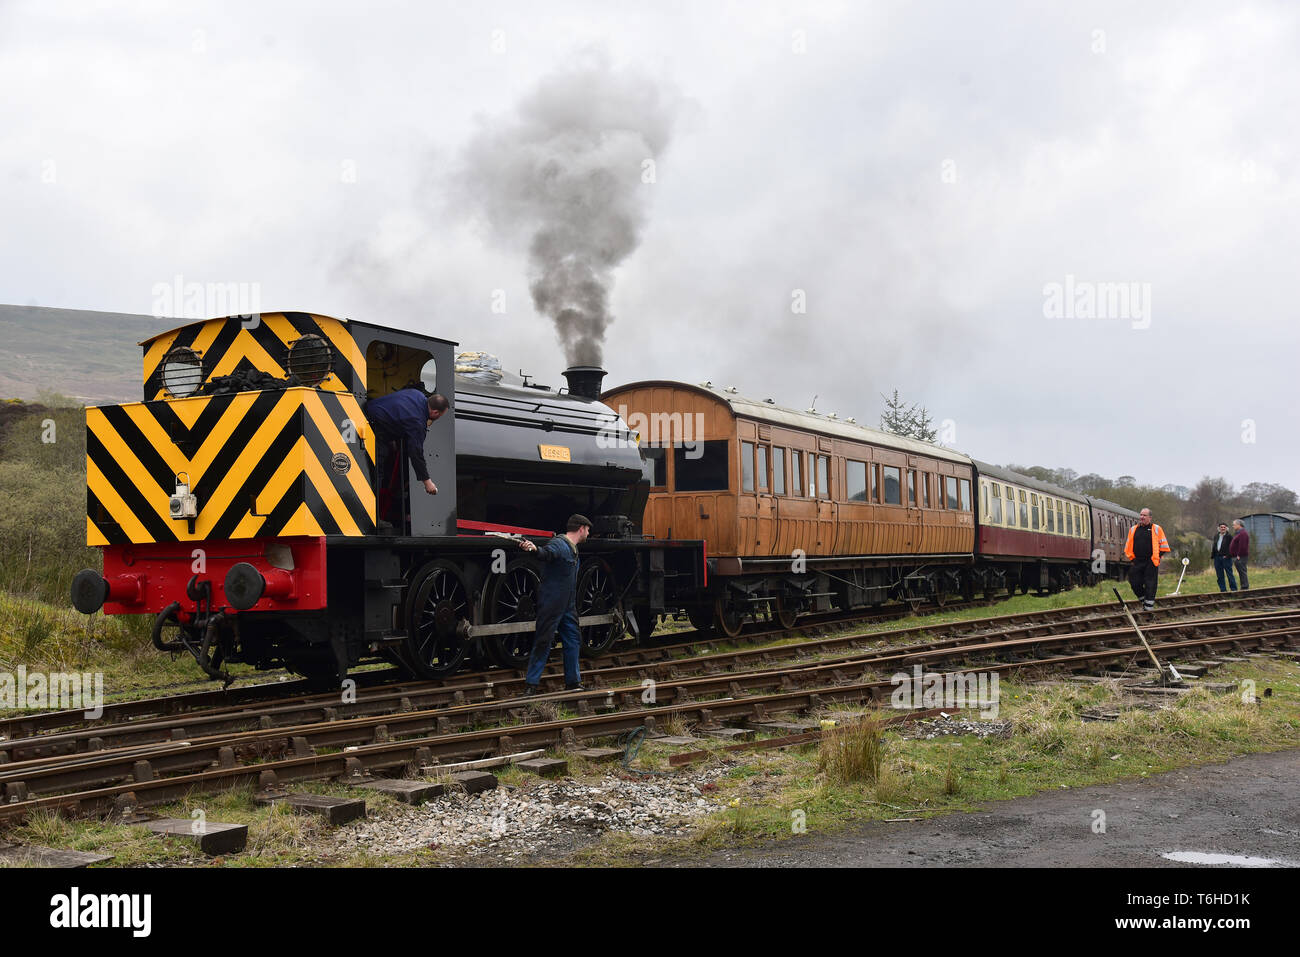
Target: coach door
[765,502]
[912,498]
[825,495]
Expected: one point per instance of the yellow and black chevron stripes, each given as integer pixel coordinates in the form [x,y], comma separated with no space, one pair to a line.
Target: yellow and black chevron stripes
[261,464]
[231,345]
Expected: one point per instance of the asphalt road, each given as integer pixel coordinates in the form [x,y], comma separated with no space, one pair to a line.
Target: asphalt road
[1246,808]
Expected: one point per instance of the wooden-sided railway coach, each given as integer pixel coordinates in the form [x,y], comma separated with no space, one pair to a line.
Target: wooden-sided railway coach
[803,511]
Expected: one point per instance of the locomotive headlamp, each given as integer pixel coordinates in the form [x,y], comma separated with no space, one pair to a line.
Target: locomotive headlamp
[183,504]
[182,372]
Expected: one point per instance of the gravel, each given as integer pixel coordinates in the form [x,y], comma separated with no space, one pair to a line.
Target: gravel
[931,728]
[518,822]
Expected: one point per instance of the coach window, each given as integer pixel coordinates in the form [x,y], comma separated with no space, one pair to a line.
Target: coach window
[964,485]
[702,466]
[796,472]
[925,489]
[985,514]
[997,504]
[893,483]
[1069,520]
[778,471]
[1033,502]
[658,461]
[1051,516]
[953,502]
[1060,517]
[747,466]
[911,487]
[762,468]
[874,471]
[823,476]
[855,481]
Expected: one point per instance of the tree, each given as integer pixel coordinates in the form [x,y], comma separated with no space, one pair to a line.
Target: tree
[1267,497]
[1212,501]
[921,427]
[912,421]
[1094,484]
[1289,547]
[896,417]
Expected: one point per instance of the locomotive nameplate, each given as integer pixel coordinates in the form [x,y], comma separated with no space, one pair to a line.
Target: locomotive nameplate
[555,453]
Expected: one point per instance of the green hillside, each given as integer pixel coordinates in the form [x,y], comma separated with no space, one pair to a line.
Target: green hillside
[92,357]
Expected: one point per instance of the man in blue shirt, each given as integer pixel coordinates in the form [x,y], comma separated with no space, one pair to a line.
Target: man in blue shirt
[398,417]
[557,603]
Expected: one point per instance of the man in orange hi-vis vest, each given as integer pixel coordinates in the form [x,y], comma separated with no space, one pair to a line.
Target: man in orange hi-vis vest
[1146,543]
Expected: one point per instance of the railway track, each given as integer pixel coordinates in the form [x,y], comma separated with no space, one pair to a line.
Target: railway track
[721,685]
[493,687]
[272,692]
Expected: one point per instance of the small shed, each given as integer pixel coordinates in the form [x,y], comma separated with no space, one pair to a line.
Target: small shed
[1266,530]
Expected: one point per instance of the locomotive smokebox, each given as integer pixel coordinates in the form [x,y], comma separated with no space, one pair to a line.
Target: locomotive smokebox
[585,381]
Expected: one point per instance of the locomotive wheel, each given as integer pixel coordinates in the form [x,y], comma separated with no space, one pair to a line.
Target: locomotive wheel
[728,620]
[785,616]
[701,618]
[512,596]
[439,602]
[597,596]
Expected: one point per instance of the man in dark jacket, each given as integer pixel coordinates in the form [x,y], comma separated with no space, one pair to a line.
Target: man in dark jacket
[1239,549]
[1222,560]
[557,603]
[402,417]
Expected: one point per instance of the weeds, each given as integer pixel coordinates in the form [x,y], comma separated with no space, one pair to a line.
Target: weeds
[853,752]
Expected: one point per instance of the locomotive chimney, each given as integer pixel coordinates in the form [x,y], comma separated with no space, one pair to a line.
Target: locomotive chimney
[585,380]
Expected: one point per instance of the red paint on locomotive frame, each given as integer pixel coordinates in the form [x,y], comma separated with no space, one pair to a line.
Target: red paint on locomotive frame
[510,529]
[167,567]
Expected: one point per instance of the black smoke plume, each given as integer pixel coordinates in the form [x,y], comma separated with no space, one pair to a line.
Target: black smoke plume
[567,173]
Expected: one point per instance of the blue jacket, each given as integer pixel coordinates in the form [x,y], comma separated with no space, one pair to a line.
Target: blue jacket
[403,415]
[558,591]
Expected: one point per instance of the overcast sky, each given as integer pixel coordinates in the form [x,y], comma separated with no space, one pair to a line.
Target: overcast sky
[921,172]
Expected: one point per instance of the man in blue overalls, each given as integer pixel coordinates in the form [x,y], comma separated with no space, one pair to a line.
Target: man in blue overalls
[557,603]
